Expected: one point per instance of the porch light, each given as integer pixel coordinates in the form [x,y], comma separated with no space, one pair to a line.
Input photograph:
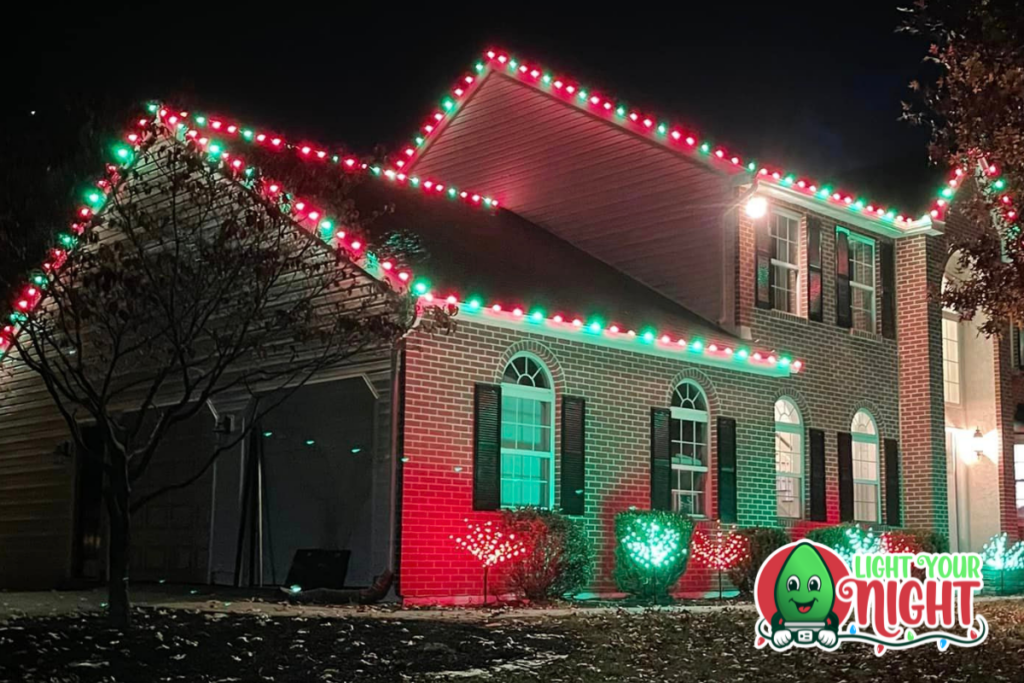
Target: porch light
[757,207]
[978,442]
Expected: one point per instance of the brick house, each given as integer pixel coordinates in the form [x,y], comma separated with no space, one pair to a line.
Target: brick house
[643,319]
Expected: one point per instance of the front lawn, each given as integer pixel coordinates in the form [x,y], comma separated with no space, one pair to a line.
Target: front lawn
[197,646]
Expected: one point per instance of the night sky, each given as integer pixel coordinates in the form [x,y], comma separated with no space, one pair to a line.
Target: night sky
[802,85]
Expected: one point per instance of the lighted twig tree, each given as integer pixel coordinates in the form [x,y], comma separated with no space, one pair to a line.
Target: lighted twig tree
[720,548]
[184,282]
[490,544]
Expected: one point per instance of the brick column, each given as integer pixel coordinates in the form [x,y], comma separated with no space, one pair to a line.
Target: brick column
[919,265]
[1006,406]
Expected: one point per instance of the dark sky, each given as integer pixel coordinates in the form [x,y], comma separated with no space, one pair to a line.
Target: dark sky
[801,84]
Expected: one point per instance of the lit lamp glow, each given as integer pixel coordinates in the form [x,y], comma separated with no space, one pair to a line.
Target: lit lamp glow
[757,207]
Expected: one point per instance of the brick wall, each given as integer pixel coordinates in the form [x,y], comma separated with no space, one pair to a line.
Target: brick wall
[620,388]
[845,370]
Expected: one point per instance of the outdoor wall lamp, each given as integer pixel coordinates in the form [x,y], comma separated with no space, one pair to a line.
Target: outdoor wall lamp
[757,207]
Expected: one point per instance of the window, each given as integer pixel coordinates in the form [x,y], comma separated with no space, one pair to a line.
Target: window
[789,457]
[785,269]
[862,283]
[951,359]
[865,468]
[527,434]
[1018,346]
[689,432]
[1018,470]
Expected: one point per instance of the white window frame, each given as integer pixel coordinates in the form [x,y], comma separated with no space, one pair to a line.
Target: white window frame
[871,440]
[1018,480]
[872,288]
[950,317]
[787,265]
[546,397]
[798,429]
[692,415]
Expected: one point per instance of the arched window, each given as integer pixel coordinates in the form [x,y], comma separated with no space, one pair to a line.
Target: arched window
[689,431]
[789,459]
[527,434]
[866,496]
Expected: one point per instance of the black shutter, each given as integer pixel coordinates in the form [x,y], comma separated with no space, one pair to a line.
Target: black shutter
[661,459]
[727,470]
[764,273]
[845,443]
[817,512]
[844,314]
[574,446]
[893,513]
[887,255]
[815,309]
[487,447]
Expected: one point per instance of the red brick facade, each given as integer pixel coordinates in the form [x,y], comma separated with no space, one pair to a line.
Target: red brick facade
[898,383]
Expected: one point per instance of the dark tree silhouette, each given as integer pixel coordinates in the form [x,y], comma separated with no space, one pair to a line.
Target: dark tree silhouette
[971,99]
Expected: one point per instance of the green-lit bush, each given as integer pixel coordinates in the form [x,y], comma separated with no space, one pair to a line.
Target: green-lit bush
[763,541]
[652,549]
[559,557]
[847,540]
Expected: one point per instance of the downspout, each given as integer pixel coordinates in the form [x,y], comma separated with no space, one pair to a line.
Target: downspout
[730,259]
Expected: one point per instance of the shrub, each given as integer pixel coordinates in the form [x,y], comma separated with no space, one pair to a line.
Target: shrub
[929,541]
[763,541]
[652,549]
[559,559]
[847,540]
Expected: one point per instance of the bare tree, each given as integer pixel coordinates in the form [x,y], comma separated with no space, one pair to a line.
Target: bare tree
[192,285]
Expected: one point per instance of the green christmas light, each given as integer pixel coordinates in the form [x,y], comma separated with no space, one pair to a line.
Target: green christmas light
[152,107]
[479,67]
[996,555]
[999,184]
[594,327]
[546,78]
[448,104]
[648,336]
[652,551]
[123,153]
[200,120]
[421,287]
[475,304]
[697,345]
[537,316]
[247,134]
[705,148]
[620,111]
[66,240]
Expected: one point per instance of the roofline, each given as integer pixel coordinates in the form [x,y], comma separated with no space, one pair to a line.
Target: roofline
[623,342]
[849,216]
[682,140]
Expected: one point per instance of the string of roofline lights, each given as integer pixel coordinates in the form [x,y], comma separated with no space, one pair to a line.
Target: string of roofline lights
[674,136]
[307,216]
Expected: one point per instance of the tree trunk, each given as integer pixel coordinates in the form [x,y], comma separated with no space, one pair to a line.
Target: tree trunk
[120,537]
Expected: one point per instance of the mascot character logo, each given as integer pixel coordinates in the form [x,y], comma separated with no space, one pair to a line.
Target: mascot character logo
[796,593]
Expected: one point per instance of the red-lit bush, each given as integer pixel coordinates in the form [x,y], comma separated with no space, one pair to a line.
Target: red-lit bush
[558,558]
